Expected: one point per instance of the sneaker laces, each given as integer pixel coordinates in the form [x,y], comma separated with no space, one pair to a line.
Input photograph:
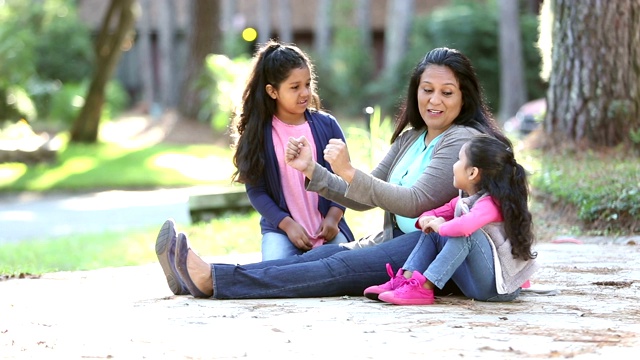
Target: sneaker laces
[409,283]
[396,281]
[390,271]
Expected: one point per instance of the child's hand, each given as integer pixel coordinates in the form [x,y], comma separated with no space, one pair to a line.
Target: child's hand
[434,224]
[328,230]
[297,154]
[423,221]
[297,235]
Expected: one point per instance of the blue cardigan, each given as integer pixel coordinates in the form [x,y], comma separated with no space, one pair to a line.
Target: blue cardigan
[267,197]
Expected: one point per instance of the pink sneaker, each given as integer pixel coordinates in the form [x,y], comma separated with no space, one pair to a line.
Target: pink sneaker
[410,293]
[372,292]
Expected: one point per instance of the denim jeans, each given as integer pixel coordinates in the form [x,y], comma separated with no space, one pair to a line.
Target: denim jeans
[329,270]
[278,246]
[468,261]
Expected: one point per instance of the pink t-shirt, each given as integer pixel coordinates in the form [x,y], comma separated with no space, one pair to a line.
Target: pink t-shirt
[302,204]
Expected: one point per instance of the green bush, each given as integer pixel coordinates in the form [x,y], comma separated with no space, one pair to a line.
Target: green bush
[64,50]
[67,101]
[42,45]
[221,87]
[603,189]
[345,72]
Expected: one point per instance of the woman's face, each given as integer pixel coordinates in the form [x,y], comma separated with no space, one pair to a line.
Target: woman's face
[439,98]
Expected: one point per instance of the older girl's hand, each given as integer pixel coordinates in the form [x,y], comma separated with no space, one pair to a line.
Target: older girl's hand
[298,155]
[337,154]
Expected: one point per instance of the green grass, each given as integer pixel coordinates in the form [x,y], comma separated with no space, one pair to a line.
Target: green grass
[229,234]
[110,166]
[601,188]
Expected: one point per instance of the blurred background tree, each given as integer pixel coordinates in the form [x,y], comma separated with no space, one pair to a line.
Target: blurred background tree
[594,75]
[362,49]
[115,33]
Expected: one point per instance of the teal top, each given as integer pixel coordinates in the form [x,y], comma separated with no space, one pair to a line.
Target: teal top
[409,169]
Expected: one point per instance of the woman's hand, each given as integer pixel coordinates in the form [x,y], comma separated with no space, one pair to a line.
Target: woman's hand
[298,155]
[337,154]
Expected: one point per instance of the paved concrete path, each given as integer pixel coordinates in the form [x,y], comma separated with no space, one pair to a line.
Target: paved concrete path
[129,313]
[32,216]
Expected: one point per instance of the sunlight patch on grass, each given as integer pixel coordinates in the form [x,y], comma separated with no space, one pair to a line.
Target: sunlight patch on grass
[198,168]
[59,175]
[11,172]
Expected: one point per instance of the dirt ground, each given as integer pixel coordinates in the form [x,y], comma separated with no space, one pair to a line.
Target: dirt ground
[588,308]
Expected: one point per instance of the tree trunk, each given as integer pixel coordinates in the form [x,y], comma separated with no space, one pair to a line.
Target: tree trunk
[117,25]
[166,58]
[229,31]
[513,90]
[397,28]
[264,22]
[145,56]
[593,98]
[205,38]
[323,28]
[286,30]
[363,18]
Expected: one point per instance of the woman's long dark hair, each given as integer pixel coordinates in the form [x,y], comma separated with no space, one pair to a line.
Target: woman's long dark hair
[272,64]
[474,112]
[506,181]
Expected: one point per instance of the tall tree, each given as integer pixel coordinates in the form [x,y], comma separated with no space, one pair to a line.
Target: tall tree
[264,21]
[166,33]
[144,54]
[396,34]
[323,28]
[594,86]
[228,27]
[117,27]
[513,90]
[285,15]
[205,38]
[363,19]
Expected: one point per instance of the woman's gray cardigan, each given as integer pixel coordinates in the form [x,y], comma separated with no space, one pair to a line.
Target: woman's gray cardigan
[366,191]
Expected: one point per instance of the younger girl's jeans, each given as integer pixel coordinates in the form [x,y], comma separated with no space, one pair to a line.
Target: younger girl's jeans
[468,261]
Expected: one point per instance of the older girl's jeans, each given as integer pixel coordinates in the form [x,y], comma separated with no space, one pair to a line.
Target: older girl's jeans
[468,261]
[328,270]
[278,246]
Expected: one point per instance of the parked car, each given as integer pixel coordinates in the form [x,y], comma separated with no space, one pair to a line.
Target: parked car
[528,117]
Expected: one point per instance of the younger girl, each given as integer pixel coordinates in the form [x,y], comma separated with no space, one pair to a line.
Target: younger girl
[277,103]
[482,242]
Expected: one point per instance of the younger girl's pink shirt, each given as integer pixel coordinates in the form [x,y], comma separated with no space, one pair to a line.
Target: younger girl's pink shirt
[302,204]
[483,212]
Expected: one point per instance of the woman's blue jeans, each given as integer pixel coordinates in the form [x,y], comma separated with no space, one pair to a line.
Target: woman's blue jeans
[329,270]
[468,261]
[278,246]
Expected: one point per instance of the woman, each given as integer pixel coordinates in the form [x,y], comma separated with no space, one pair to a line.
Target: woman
[443,109]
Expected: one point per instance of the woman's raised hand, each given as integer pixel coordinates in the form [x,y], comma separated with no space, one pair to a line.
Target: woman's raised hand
[337,154]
